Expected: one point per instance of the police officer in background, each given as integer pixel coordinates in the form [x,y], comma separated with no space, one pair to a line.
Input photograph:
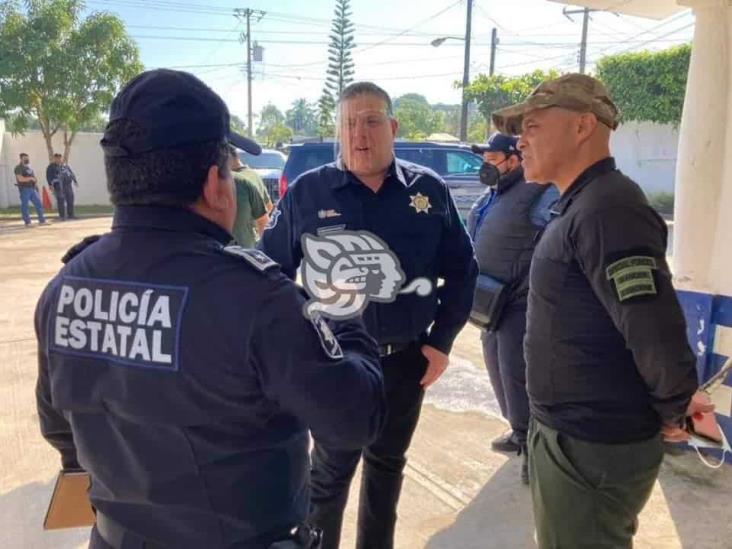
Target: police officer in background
[25,180]
[505,224]
[409,208]
[163,372]
[609,368]
[60,178]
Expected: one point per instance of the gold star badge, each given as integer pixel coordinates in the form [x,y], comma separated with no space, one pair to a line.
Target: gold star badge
[420,203]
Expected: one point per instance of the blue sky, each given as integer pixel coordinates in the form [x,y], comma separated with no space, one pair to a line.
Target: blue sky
[392,37]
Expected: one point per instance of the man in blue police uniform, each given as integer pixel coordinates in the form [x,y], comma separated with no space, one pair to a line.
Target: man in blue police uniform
[407,210]
[505,224]
[609,369]
[60,178]
[163,372]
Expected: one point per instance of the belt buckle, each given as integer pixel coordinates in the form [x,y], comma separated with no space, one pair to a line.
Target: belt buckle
[389,349]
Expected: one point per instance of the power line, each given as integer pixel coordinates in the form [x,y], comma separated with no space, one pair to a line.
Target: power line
[301,42]
[422,22]
[291,18]
[285,32]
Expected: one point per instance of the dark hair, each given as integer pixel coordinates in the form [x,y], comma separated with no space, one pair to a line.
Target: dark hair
[165,177]
[366,88]
[21,155]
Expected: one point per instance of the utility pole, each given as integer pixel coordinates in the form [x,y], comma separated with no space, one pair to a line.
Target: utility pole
[466,76]
[494,44]
[248,13]
[583,47]
[585,23]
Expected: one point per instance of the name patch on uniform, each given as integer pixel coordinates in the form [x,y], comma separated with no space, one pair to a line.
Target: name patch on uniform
[633,276]
[120,322]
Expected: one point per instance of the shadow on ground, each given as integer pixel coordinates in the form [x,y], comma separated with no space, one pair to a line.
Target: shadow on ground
[695,494]
[499,516]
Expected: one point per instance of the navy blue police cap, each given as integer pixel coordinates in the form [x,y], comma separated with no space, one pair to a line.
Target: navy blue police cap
[175,109]
[499,142]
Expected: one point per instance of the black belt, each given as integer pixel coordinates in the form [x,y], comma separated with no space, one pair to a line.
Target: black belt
[391,348]
[117,536]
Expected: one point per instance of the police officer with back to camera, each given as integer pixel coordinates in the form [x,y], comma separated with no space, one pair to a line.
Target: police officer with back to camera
[60,178]
[162,368]
[381,220]
[505,224]
[609,368]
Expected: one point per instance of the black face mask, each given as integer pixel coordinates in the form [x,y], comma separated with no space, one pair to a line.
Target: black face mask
[489,174]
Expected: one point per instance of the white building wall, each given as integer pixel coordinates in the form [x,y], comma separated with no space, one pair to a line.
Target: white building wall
[646,152]
[86,160]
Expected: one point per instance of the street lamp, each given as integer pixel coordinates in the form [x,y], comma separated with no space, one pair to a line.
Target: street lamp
[437,42]
[466,71]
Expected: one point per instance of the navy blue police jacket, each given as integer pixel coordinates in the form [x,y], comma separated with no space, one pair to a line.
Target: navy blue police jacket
[414,214]
[182,375]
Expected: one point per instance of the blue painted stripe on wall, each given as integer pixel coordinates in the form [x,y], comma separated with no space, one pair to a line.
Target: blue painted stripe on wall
[722,310]
[715,364]
[703,313]
[697,308]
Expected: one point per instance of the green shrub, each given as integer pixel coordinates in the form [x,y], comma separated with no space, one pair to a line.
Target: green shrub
[662,202]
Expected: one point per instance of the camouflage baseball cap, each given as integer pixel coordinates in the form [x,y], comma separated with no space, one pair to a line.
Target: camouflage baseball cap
[576,92]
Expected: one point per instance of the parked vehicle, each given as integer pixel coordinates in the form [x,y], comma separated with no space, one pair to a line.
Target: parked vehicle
[457,165]
[269,165]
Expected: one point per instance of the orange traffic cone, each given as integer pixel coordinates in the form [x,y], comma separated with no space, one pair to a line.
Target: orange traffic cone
[46,200]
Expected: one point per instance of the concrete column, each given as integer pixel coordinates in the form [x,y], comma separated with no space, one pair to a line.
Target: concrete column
[721,265]
[4,169]
[703,151]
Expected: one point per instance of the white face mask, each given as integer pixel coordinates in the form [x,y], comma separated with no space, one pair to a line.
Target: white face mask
[698,443]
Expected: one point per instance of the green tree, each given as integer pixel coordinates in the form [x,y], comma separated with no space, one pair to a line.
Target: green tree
[272,128]
[326,108]
[238,125]
[274,134]
[340,63]
[61,69]
[269,116]
[494,92]
[477,130]
[301,118]
[416,117]
[648,86]
[450,118]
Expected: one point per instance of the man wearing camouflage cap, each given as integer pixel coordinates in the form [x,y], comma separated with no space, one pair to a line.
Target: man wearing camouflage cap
[609,369]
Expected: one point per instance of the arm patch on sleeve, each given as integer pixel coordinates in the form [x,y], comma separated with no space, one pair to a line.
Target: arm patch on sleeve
[633,276]
[327,338]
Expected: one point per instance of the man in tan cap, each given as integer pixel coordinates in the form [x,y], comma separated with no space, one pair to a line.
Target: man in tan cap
[609,370]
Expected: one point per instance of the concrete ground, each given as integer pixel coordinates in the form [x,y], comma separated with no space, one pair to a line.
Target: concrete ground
[457,493]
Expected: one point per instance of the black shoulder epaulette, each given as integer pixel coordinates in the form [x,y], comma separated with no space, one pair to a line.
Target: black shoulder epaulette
[79,247]
[257,259]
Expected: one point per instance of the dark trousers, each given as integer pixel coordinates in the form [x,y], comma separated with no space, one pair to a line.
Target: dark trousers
[503,352]
[65,199]
[588,495]
[383,462]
